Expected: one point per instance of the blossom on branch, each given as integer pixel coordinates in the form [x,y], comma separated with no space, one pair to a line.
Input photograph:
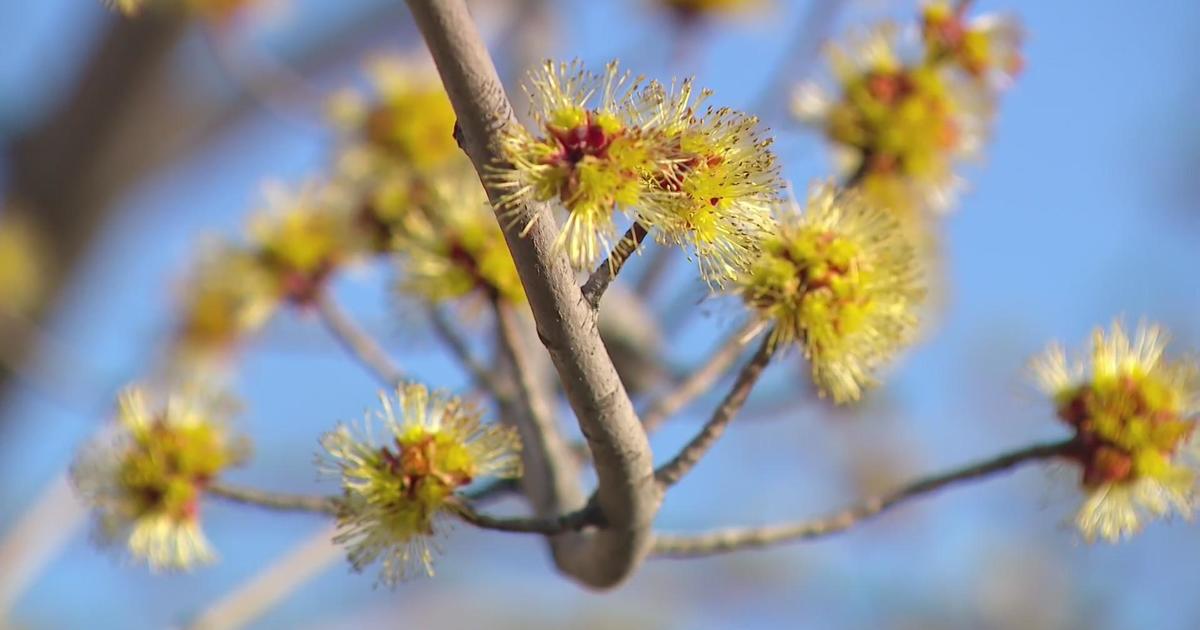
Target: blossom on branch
[899,127]
[1134,414]
[988,48]
[146,479]
[395,490]
[841,281]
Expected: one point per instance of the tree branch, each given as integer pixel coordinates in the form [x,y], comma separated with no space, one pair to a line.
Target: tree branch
[699,381]
[550,526]
[598,282]
[671,472]
[357,341]
[547,526]
[721,541]
[273,500]
[549,469]
[627,494]
[483,377]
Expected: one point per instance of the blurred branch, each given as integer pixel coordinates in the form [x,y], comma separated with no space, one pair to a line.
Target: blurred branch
[273,500]
[626,494]
[484,378]
[31,543]
[703,378]
[357,341]
[549,469]
[598,282]
[272,585]
[674,470]
[721,541]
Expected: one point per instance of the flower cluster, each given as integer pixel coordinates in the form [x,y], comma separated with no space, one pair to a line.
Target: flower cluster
[902,124]
[395,491]
[294,246]
[1134,415]
[418,195]
[22,264]
[145,482]
[693,9]
[607,143]
[842,281]
[210,9]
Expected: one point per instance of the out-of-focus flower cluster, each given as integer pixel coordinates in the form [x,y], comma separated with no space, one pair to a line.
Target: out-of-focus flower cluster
[903,116]
[216,10]
[841,281]
[394,491]
[603,143]
[145,478]
[418,195]
[1134,414]
[22,266]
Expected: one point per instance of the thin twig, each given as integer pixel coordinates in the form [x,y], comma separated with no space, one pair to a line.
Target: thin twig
[547,526]
[492,489]
[549,479]
[484,377]
[674,470]
[598,282]
[699,381]
[720,541]
[357,341]
[274,500]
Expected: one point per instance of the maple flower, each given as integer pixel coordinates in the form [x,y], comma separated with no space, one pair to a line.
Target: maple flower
[899,128]
[395,491]
[145,480]
[454,247]
[302,237]
[988,47]
[841,281]
[1134,414]
[719,181]
[587,150]
[230,295]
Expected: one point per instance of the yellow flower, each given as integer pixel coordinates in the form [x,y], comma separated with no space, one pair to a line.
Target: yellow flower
[690,9]
[899,128]
[146,481]
[407,119]
[1134,414]
[302,237]
[987,48]
[589,152]
[842,281]
[394,492]
[395,142]
[454,246]
[715,191]
[211,9]
[230,295]
[22,266]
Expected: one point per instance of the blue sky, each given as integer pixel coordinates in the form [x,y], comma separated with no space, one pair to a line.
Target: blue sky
[1083,209]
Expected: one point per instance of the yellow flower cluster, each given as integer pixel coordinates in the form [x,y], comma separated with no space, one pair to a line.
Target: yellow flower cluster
[419,196]
[690,9]
[1134,414]
[145,482]
[842,281]
[294,245]
[901,125]
[210,9]
[394,492]
[22,266]
[603,143]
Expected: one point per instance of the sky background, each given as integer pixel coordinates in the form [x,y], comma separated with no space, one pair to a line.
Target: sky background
[1085,208]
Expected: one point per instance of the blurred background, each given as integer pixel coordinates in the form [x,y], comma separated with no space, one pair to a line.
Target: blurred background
[128,140]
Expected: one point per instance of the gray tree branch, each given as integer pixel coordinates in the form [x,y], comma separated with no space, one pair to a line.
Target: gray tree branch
[627,494]
[726,540]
